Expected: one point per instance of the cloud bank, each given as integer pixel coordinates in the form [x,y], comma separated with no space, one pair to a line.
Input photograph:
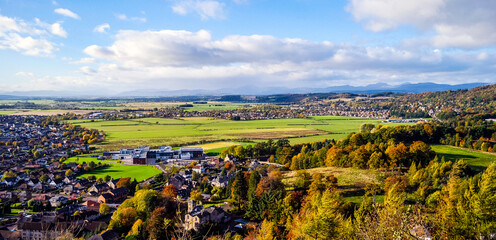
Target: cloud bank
[453,23]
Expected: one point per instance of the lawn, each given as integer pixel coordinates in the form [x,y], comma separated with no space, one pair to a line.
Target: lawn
[116,170]
[476,159]
[185,131]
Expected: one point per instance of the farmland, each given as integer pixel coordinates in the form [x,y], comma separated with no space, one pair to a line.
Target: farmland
[187,131]
[116,170]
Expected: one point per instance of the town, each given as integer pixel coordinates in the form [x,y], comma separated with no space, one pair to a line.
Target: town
[41,197]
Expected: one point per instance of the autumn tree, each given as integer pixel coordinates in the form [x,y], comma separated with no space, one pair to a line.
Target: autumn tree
[170,191]
[104,209]
[196,195]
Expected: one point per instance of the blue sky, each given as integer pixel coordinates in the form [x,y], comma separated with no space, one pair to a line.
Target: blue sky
[112,46]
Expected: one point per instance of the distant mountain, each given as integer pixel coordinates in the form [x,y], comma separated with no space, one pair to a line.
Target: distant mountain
[252,90]
[245,90]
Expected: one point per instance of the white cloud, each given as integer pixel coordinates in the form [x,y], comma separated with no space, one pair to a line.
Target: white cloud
[28,38]
[179,59]
[67,13]
[455,23]
[85,60]
[102,28]
[55,3]
[124,17]
[58,30]
[87,70]
[207,9]
[25,74]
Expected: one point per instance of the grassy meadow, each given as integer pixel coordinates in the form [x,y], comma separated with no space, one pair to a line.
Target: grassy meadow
[476,159]
[184,131]
[116,170]
[351,181]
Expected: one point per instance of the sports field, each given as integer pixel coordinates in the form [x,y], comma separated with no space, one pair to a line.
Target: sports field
[189,131]
[116,170]
[476,159]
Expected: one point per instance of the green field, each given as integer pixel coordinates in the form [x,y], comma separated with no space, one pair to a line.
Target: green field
[476,159]
[116,170]
[185,131]
[7,112]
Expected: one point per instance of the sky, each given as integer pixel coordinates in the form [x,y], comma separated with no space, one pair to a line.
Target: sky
[130,45]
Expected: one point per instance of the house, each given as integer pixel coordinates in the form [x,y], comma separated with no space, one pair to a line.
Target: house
[58,201]
[24,187]
[39,187]
[107,235]
[32,182]
[25,196]
[82,183]
[221,181]
[39,230]
[199,169]
[69,189]
[99,188]
[10,181]
[119,194]
[42,198]
[8,196]
[92,205]
[105,198]
[199,216]
[113,196]
[68,180]
[56,183]
[113,183]
[177,180]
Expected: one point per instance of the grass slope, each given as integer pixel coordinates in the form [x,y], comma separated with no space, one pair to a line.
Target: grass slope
[476,159]
[116,170]
[351,181]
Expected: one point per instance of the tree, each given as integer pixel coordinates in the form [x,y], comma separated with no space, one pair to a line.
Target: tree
[137,229]
[320,218]
[170,191]
[366,127]
[266,231]
[68,173]
[156,226]
[44,178]
[398,155]
[104,209]
[303,180]
[8,175]
[107,178]
[239,152]
[239,189]
[196,195]
[334,154]
[124,182]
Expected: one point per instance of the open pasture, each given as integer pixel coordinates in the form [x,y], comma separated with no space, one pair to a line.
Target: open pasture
[184,131]
[116,170]
[477,160]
